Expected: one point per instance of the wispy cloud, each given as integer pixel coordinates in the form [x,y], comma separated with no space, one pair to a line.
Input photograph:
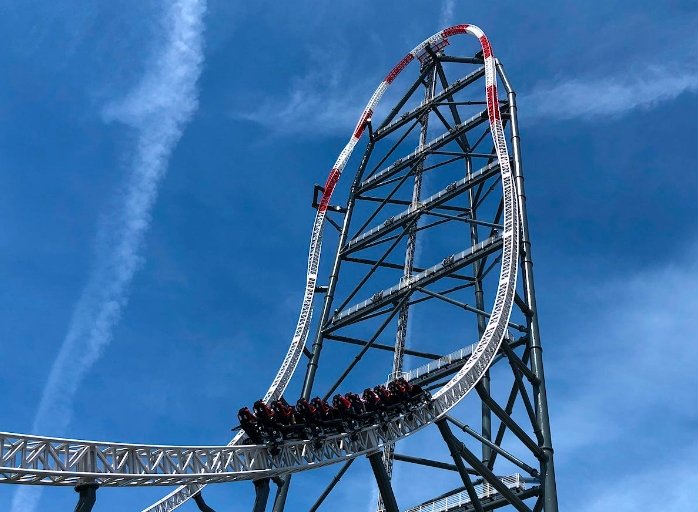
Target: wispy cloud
[327,102]
[446,14]
[328,99]
[665,488]
[323,100]
[613,96]
[157,109]
[623,384]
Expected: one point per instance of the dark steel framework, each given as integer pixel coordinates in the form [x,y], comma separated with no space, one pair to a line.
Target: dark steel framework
[427,188]
[418,248]
[437,134]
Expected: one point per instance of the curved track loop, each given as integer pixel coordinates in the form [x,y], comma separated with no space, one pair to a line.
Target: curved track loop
[121,464]
[495,331]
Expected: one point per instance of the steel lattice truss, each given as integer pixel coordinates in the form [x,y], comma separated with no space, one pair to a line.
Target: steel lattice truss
[432,227]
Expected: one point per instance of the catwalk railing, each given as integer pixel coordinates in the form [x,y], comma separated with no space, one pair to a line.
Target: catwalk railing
[460,499]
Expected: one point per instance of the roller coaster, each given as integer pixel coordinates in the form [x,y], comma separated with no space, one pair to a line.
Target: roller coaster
[435,183]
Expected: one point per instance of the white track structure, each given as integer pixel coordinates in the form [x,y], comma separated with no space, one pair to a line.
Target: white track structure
[28,459]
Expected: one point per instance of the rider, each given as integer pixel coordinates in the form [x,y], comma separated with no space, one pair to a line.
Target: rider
[249,424]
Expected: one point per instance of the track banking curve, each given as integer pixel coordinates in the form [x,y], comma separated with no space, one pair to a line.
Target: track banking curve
[42,460]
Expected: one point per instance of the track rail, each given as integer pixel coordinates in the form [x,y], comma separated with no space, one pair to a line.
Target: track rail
[51,461]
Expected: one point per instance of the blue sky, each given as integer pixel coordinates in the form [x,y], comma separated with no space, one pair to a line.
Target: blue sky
[201,156]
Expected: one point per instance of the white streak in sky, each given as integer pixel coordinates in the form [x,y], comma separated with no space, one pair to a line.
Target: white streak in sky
[608,97]
[326,100]
[446,15]
[321,101]
[157,109]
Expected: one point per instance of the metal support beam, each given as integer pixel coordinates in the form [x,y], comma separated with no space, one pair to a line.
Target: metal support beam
[363,351]
[408,270]
[508,409]
[88,497]
[403,100]
[380,346]
[539,391]
[490,477]
[467,307]
[508,421]
[387,264]
[332,285]
[516,361]
[461,60]
[538,507]
[383,481]
[331,485]
[430,463]
[453,448]
[386,129]
[518,380]
[281,493]
[199,500]
[314,356]
[503,502]
[442,140]
[261,490]
[445,207]
[465,428]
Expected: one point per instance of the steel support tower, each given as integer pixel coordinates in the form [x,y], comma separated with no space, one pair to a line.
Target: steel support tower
[385,217]
[431,280]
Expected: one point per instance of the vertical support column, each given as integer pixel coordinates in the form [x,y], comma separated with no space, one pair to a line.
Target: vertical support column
[383,480]
[403,316]
[332,285]
[539,392]
[261,489]
[281,493]
[486,414]
[88,496]
[401,334]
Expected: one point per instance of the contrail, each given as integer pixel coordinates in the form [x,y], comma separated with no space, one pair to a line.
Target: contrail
[157,109]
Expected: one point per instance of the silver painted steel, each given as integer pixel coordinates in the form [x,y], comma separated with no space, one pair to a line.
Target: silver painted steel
[28,459]
[460,499]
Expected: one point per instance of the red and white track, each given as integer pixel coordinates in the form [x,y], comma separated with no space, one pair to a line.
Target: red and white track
[485,350]
[40,460]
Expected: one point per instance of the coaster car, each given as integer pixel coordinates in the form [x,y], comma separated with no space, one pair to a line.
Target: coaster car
[314,420]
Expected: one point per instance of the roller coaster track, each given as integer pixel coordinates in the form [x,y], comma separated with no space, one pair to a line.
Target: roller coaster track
[29,459]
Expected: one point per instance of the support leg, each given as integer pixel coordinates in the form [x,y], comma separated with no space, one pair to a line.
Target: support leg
[334,482]
[383,481]
[539,392]
[199,500]
[261,488]
[478,466]
[88,496]
[462,470]
[281,493]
